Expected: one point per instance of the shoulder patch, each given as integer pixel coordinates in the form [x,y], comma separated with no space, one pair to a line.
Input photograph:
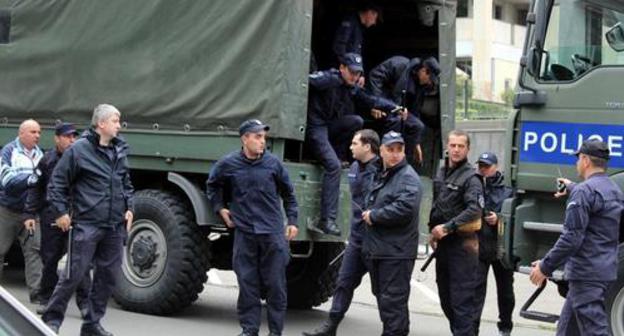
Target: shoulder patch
[346,23]
[481,201]
[570,204]
[317,74]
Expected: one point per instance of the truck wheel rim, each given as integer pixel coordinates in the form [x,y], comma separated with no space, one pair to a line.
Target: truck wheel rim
[617,313]
[145,255]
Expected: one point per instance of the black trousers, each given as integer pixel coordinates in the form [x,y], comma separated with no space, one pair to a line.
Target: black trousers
[504,293]
[457,258]
[390,282]
[53,247]
[350,276]
[100,247]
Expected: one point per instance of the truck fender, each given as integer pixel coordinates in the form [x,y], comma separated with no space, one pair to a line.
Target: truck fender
[198,199]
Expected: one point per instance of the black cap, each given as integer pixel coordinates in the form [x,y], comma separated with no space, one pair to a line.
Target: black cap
[65,129]
[488,158]
[353,61]
[252,126]
[392,137]
[434,70]
[595,148]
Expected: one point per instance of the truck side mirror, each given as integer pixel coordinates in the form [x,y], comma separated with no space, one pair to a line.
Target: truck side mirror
[533,62]
[615,37]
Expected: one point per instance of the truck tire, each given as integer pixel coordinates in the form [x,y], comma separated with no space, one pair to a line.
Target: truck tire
[165,258]
[614,298]
[311,281]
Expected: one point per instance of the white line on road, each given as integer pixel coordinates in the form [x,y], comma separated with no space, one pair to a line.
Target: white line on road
[425,290]
[213,277]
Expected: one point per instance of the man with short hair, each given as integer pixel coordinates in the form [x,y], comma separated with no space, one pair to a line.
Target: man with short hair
[332,120]
[588,245]
[53,240]
[257,180]
[365,148]
[405,82]
[455,217]
[92,196]
[350,34]
[495,192]
[391,241]
[18,160]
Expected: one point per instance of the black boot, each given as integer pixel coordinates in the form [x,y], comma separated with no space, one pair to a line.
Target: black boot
[93,329]
[325,226]
[328,328]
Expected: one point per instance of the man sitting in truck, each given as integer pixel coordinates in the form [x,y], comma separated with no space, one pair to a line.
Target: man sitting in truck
[406,83]
[588,245]
[332,122]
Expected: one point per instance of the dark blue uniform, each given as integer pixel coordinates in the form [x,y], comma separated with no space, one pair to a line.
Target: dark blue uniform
[389,80]
[97,181]
[353,268]
[332,122]
[457,200]
[261,251]
[495,192]
[588,248]
[391,243]
[349,37]
[53,240]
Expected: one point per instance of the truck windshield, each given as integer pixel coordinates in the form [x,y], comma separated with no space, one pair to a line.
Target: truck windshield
[576,39]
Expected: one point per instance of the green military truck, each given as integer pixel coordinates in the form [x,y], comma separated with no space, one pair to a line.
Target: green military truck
[184,74]
[569,90]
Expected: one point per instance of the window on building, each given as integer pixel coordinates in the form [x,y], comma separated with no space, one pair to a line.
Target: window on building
[497,12]
[462,8]
[5,26]
[521,15]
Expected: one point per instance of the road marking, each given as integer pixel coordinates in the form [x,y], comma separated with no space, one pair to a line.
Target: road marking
[425,290]
[213,277]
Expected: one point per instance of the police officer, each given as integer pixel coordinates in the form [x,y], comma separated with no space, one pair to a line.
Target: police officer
[391,241]
[256,180]
[495,192]
[332,120]
[53,240]
[364,147]
[17,162]
[455,218]
[94,174]
[350,34]
[406,83]
[588,245]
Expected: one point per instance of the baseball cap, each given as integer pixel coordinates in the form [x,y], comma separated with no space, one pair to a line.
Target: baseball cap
[595,148]
[353,61]
[252,126]
[488,158]
[65,129]
[392,137]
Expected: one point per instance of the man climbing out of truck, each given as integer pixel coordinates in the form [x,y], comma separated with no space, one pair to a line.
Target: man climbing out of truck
[406,82]
[257,180]
[349,36]
[331,123]
[588,245]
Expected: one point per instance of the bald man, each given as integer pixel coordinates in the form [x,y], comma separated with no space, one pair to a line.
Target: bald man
[18,160]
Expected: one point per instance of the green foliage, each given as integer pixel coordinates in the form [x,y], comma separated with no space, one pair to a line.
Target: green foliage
[508,96]
[478,109]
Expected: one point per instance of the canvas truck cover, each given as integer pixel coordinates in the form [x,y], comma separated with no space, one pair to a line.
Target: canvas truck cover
[205,64]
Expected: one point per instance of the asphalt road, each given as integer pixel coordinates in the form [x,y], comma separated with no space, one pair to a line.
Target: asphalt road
[214,313]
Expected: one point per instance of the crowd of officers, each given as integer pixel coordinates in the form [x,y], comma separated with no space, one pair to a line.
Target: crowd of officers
[78,198]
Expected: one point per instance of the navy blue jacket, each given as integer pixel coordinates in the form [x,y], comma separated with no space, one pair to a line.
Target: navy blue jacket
[96,179]
[395,75]
[330,98]
[457,197]
[589,242]
[349,36]
[394,202]
[253,189]
[361,177]
[495,192]
[36,200]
